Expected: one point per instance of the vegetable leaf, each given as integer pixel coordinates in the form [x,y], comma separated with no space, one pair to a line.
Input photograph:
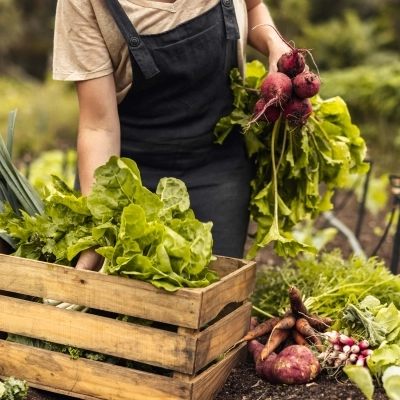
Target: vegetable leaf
[362,378]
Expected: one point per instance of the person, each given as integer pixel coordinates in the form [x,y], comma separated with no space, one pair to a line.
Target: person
[152,81]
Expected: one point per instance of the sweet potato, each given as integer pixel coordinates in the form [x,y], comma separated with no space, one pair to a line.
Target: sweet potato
[295,365]
[264,368]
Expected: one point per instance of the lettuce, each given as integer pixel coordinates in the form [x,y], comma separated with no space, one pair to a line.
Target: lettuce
[153,237]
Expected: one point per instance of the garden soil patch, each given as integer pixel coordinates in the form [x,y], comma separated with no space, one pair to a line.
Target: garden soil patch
[243,383]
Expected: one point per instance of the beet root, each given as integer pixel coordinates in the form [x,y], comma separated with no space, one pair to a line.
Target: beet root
[306,84]
[276,89]
[297,110]
[266,113]
[295,365]
[291,63]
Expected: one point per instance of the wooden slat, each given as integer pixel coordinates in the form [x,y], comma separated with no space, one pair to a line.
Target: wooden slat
[104,335]
[86,379]
[104,292]
[235,287]
[208,384]
[129,296]
[221,336]
[226,265]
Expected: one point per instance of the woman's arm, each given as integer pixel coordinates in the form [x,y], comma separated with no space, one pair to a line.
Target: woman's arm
[99,128]
[98,140]
[264,38]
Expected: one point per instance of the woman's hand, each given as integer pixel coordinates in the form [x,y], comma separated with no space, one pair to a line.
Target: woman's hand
[263,35]
[89,260]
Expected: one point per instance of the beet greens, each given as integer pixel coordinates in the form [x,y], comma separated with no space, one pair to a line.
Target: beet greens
[292,160]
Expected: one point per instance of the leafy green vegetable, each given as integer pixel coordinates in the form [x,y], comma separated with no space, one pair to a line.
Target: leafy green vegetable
[362,378]
[15,189]
[391,382]
[148,236]
[292,163]
[13,389]
[370,319]
[373,331]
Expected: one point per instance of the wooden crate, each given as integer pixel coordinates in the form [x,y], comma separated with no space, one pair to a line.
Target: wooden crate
[205,324]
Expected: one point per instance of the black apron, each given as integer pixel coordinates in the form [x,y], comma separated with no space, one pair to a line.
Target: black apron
[180,90]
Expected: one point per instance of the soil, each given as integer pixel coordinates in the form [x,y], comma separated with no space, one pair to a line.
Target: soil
[243,383]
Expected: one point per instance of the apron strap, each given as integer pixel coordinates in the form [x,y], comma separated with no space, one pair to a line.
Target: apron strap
[231,26]
[136,46]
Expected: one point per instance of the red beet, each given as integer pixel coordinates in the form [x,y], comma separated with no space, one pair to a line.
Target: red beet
[276,89]
[264,113]
[291,63]
[306,84]
[297,110]
[272,113]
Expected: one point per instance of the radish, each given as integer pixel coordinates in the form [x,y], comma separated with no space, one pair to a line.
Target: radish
[364,344]
[306,84]
[269,114]
[297,111]
[276,89]
[346,340]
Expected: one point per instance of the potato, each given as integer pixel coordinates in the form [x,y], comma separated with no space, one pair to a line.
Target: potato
[295,365]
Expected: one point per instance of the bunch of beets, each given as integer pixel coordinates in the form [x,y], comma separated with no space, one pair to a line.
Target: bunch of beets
[288,91]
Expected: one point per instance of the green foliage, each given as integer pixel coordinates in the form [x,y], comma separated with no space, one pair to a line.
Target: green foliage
[10,26]
[326,283]
[47,115]
[343,42]
[368,91]
[373,97]
[53,162]
[13,389]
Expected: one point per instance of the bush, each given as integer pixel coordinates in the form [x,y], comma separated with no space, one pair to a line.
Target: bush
[47,115]
[373,97]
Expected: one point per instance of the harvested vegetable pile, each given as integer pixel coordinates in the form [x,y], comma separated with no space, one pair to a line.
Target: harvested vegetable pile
[298,335]
[326,283]
[362,297]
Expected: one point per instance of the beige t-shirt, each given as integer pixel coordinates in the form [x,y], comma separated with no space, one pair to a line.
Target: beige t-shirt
[88,44]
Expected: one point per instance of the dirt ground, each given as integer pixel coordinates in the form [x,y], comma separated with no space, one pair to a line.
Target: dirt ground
[243,384]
